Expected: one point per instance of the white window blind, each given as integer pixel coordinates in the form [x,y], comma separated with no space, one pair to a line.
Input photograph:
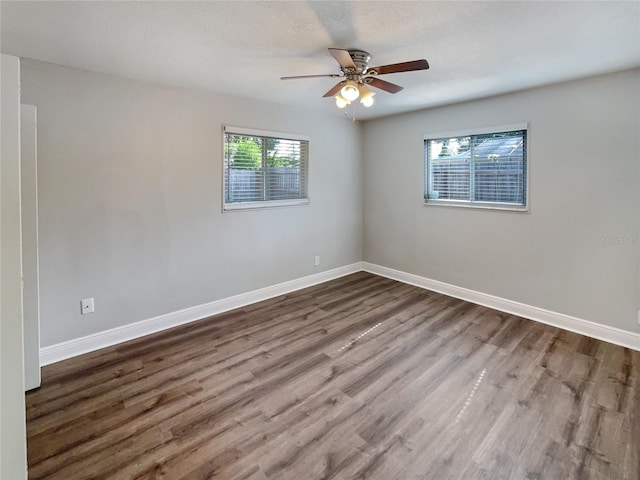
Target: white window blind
[264,169]
[488,169]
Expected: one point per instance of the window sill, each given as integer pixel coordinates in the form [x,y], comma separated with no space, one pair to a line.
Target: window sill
[502,207]
[229,207]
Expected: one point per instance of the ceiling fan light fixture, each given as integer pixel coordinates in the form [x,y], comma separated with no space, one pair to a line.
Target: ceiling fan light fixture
[356,75]
[341,102]
[368,101]
[350,90]
[366,95]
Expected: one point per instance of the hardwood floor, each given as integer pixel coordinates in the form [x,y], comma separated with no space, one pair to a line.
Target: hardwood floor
[358,378]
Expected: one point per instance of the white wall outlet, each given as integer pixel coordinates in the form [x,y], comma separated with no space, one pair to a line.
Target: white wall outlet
[316,261]
[86,306]
[638,317]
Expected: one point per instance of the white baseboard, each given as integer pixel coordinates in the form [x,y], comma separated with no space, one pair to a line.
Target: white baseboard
[96,341]
[585,327]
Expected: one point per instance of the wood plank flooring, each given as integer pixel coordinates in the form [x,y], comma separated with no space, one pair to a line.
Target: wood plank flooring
[358,378]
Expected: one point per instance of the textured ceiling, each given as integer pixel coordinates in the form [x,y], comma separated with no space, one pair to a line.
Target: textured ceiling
[475,49]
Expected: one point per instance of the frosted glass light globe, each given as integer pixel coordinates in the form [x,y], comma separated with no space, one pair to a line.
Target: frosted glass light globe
[350,91]
[367,101]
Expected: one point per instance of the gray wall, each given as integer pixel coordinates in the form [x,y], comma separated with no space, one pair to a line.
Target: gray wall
[130,200]
[576,252]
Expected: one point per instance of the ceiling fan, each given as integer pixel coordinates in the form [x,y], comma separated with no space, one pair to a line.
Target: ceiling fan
[357,75]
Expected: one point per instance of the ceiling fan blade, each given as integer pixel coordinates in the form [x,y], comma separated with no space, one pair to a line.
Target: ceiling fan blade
[342,57]
[332,75]
[399,67]
[336,88]
[383,85]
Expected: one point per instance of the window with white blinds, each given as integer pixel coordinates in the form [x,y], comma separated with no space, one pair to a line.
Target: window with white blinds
[482,169]
[264,169]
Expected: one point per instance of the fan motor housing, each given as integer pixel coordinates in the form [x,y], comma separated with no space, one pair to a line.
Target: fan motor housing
[360,58]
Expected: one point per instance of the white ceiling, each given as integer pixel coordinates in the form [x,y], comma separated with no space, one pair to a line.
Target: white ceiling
[475,49]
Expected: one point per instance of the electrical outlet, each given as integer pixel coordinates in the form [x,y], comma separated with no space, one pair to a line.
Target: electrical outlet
[317,260]
[86,306]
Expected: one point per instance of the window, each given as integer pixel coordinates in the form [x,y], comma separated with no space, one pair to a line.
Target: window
[487,169]
[264,169]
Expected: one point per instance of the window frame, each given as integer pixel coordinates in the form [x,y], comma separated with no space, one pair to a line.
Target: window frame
[498,206]
[262,204]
